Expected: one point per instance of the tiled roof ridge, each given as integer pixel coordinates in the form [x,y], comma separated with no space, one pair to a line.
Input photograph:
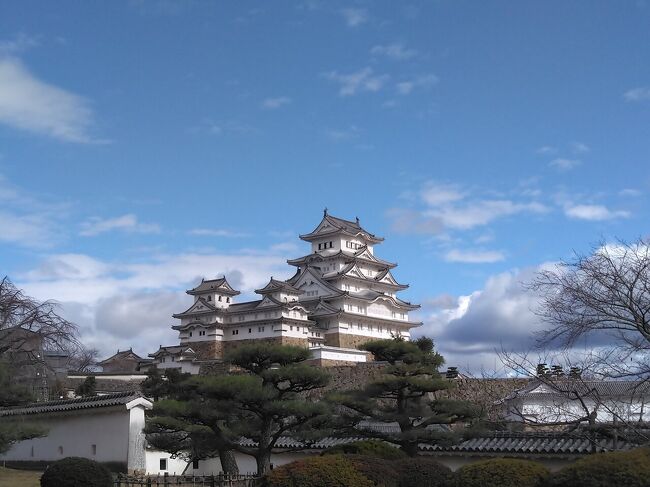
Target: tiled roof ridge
[106,400]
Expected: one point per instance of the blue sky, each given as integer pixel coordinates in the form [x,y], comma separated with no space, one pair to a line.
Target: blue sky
[146,143]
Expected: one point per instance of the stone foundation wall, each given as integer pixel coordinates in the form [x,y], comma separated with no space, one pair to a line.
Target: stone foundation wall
[207,350]
[344,340]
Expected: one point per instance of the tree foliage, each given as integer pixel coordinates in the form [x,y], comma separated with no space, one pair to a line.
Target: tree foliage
[212,413]
[405,394]
[88,388]
[328,471]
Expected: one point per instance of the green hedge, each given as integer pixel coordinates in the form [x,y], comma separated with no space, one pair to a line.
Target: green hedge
[502,472]
[380,471]
[76,472]
[624,469]
[321,471]
[423,472]
[372,448]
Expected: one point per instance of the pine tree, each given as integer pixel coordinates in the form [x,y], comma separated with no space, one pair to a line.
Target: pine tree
[210,414]
[88,388]
[404,394]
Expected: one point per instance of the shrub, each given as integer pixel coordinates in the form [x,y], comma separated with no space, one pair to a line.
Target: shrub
[372,448]
[76,472]
[502,472]
[629,469]
[423,472]
[322,471]
[382,473]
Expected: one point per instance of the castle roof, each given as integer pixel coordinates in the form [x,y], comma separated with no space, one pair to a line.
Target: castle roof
[213,285]
[362,254]
[174,350]
[124,354]
[331,225]
[352,270]
[274,286]
[199,307]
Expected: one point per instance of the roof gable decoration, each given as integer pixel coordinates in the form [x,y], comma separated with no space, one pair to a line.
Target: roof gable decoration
[267,301]
[314,286]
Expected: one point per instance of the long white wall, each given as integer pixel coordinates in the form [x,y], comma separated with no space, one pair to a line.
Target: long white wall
[73,434]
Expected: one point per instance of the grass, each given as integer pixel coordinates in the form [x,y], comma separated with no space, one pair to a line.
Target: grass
[19,478]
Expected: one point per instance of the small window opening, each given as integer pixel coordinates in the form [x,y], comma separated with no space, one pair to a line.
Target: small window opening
[163,464]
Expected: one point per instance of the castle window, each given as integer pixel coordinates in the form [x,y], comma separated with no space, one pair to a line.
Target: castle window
[227,299]
[163,464]
[209,297]
[60,450]
[190,334]
[235,332]
[291,328]
[250,330]
[219,298]
[93,449]
[195,464]
[173,359]
[320,246]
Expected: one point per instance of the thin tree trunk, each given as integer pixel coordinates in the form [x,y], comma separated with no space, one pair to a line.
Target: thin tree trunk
[228,461]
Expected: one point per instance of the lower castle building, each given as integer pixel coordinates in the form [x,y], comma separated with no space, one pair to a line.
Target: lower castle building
[340,297]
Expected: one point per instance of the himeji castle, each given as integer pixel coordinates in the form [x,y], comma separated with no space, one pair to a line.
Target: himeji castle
[340,296]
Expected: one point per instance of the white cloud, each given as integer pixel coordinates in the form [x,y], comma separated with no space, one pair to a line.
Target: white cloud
[563,164]
[17,45]
[340,135]
[273,103]
[630,192]
[408,86]
[26,221]
[474,256]
[579,148]
[499,315]
[436,194]
[638,94]
[360,81]
[451,207]
[35,230]
[354,17]
[395,51]
[217,232]
[126,223]
[30,104]
[482,212]
[546,149]
[594,212]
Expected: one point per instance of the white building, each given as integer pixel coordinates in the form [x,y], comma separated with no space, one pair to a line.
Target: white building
[576,400]
[340,296]
[103,428]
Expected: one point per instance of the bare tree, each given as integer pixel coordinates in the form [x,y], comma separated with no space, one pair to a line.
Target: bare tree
[84,359]
[574,399]
[22,318]
[604,292]
[29,331]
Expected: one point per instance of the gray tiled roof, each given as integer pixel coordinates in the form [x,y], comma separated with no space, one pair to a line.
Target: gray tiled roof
[212,285]
[496,444]
[275,285]
[529,443]
[108,400]
[347,226]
